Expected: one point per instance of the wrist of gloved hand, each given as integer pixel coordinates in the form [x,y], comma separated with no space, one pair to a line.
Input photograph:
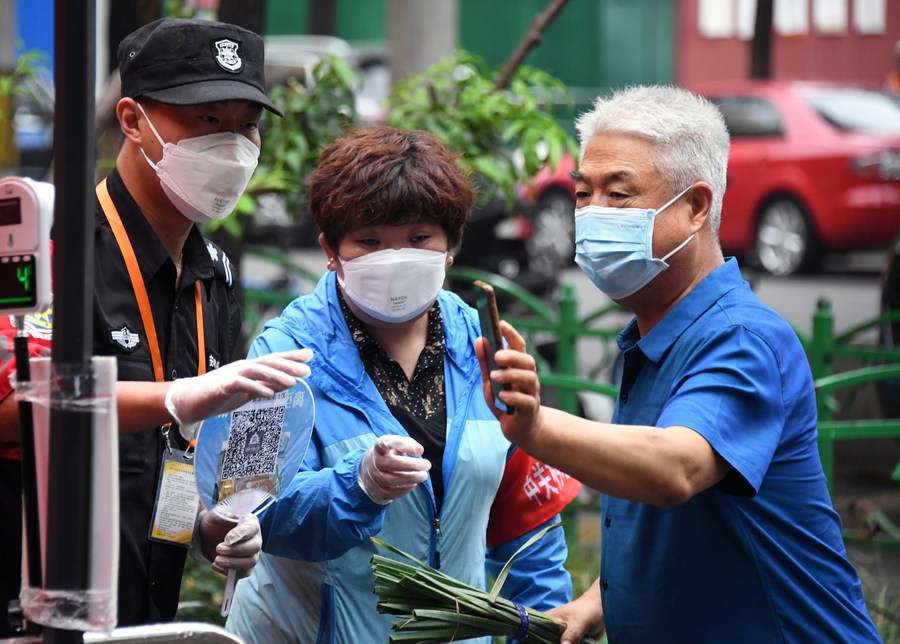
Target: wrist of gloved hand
[188,430]
[190,400]
[196,549]
[228,544]
[368,486]
[391,468]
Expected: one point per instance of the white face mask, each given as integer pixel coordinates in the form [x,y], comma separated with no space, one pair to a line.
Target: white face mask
[394,285]
[204,176]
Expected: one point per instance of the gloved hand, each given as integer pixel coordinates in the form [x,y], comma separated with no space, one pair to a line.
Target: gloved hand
[229,545]
[190,400]
[389,470]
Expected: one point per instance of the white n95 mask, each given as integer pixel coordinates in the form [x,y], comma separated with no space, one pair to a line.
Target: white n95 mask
[614,247]
[394,285]
[204,176]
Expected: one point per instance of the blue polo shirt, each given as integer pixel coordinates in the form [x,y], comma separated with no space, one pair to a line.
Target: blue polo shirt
[759,557]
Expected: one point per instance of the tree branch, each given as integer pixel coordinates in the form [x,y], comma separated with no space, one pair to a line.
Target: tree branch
[534,35]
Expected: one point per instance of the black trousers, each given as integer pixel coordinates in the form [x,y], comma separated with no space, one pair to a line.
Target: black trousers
[10,539]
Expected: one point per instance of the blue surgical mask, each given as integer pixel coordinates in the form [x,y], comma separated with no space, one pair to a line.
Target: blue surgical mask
[614,247]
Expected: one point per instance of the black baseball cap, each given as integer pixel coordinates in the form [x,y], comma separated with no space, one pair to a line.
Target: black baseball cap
[190,62]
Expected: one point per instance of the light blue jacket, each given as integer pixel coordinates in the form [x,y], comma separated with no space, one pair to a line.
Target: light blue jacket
[314,582]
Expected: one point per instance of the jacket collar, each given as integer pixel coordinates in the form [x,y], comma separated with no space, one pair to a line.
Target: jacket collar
[316,321]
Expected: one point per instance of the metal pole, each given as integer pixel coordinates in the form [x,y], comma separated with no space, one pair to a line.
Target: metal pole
[821,357]
[8,153]
[34,572]
[69,504]
[761,44]
[822,343]
[566,351]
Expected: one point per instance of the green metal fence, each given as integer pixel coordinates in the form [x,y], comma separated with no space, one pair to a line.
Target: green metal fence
[270,280]
[827,352]
[825,349]
[559,318]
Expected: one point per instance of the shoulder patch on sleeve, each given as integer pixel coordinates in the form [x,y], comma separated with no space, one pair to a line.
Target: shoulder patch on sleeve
[223,266]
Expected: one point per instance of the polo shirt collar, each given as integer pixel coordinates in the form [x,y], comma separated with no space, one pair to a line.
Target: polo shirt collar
[710,290]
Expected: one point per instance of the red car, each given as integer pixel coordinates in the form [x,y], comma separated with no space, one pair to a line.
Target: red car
[550,200]
[814,167]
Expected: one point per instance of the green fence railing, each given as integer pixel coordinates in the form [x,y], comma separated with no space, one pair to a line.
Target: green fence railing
[828,352]
[825,347]
[559,319]
[271,282]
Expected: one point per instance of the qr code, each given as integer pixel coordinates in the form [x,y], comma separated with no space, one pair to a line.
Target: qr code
[253,442]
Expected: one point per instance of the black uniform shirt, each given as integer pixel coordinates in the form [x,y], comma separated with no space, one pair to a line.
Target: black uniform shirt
[150,572]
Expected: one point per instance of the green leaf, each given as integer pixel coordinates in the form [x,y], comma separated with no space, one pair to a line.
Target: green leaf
[454,99]
[501,578]
[435,607]
[397,551]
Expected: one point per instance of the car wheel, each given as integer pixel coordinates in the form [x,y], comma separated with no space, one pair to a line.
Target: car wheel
[888,391]
[785,239]
[551,245]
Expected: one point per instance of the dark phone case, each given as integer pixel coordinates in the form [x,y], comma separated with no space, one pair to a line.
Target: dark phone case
[489,317]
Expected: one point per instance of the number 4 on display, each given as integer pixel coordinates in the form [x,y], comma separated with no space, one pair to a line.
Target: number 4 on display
[24,275]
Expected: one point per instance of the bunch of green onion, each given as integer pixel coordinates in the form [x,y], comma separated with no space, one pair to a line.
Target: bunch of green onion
[438,608]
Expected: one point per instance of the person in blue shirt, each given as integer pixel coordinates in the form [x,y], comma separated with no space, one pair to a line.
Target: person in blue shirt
[716,522]
[404,447]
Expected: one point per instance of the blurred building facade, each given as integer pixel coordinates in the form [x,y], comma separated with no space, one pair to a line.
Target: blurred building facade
[844,40]
[608,43]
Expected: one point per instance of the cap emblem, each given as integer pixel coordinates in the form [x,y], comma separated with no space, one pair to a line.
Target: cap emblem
[227,55]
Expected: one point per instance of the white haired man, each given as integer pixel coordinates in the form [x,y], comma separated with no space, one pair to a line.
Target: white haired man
[717,523]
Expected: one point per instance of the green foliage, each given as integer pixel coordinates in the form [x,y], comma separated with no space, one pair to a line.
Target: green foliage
[455,99]
[177,9]
[314,116]
[201,589]
[885,612]
[201,594]
[29,64]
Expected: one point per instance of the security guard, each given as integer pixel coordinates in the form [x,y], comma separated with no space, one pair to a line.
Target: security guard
[164,304]
[193,94]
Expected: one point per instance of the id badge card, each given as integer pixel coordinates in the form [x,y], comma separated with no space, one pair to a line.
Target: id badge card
[177,500]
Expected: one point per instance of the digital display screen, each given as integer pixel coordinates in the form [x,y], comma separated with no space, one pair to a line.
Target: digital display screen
[18,283]
[10,211]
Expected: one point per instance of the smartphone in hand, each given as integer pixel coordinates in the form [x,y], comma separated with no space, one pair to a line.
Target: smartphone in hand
[486,303]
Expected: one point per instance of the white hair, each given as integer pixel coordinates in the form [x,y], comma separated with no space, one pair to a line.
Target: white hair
[688,131]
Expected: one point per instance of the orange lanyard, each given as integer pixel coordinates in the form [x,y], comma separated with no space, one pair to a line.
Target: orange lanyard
[140,289]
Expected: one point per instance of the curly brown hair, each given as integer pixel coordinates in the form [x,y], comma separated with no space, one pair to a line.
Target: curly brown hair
[384,175]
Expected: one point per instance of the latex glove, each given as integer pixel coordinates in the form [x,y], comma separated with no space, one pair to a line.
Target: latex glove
[230,544]
[389,469]
[190,400]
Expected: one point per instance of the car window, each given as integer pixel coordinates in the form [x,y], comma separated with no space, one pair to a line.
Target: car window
[856,110]
[747,116]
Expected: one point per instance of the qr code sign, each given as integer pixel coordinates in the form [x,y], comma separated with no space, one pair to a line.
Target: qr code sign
[253,442]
